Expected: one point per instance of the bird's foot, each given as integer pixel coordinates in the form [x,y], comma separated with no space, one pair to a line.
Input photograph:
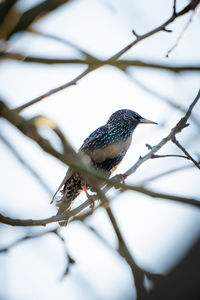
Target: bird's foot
[120,178]
[91,198]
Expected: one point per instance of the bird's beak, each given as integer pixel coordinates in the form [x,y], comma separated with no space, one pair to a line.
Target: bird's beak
[142,120]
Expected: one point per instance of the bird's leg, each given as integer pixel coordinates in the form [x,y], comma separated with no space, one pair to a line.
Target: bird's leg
[120,178]
[91,198]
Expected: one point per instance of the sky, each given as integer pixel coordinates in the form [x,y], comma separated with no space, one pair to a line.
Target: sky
[157,231]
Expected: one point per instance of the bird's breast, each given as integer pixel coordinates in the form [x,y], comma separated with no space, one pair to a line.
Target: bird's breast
[110,151]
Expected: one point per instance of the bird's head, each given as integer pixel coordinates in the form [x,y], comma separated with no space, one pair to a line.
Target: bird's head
[127,119]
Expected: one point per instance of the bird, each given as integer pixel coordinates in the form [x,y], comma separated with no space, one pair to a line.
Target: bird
[105,147]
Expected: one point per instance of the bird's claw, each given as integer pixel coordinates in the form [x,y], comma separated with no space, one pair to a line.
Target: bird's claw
[120,178]
[91,198]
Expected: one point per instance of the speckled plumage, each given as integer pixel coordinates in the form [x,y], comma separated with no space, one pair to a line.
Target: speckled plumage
[106,147]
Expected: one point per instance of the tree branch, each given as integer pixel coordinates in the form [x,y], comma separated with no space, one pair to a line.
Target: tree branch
[93,62]
[174,8]
[5,7]
[179,126]
[165,155]
[70,260]
[138,274]
[174,140]
[30,131]
[191,6]
[62,41]
[76,211]
[25,238]
[158,176]
[182,33]
[171,102]
[26,165]
[35,13]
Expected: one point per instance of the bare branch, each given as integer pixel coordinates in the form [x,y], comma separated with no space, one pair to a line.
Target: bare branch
[191,6]
[149,275]
[124,64]
[165,155]
[60,40]
[179,126]
[168,155]
[182,33]
[168,100]
[35,13]
[93,62]
[174,140]
[76,211]
[25,238]
[5,7]
[135,34]
[138,274]
[167,30]
[174,8]
[21,124]
[69,260]
[55,90]
[28,237]
[153,194]
[165,173]
[26,165]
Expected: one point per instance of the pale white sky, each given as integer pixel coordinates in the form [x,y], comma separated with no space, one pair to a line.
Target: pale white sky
[156,231]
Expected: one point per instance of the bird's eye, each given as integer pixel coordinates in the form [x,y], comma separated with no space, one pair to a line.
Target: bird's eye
[137,117]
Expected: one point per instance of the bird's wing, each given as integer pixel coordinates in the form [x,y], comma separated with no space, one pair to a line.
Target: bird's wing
[92,142]
[97,146]
[67,176]
[95,139]
[100,146]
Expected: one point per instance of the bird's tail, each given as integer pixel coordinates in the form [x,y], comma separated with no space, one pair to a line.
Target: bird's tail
[63,206]
[65,203]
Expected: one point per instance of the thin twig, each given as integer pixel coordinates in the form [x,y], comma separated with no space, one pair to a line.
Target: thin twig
[167,30]
[174,140]
[93,62]
[165,173]
[182,33]
[179,126]
[55,90]
[33,172]
[135,34]
[174,8]
[28,237]
[138,274]
[70,260]
[169,155]
[168,100]
[60,40]
[191,6]
[35,13]
[149,275]
[25,238]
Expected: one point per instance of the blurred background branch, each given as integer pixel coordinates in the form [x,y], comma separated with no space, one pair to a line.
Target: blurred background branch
[17,21]
[28,129]
[21,23]
[191,6]
[94,63]
[26,165]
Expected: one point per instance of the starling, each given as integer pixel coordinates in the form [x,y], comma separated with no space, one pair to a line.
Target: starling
[105,147]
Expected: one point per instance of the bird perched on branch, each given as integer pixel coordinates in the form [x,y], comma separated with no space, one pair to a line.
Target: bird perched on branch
[105,148]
